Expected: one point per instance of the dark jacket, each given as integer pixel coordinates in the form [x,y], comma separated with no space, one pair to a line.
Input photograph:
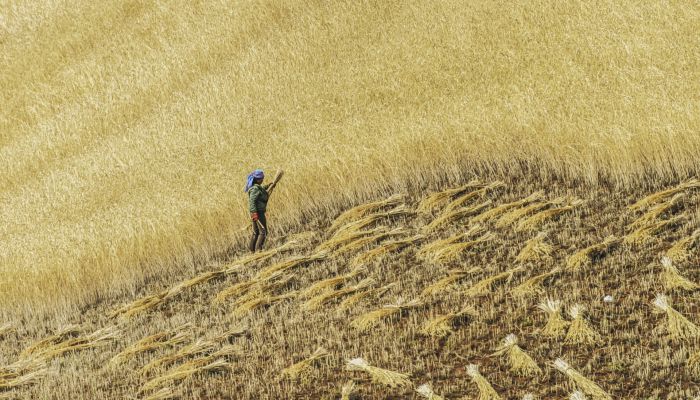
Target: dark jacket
[257,198]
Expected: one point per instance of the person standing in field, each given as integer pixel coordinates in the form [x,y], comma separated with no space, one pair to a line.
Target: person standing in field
[258,195]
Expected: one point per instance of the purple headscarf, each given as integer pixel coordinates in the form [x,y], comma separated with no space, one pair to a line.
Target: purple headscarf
[257,174]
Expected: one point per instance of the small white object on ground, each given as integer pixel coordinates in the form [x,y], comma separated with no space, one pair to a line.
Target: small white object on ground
[608,299]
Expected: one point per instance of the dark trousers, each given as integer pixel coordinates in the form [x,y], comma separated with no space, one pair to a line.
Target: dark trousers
[259,234]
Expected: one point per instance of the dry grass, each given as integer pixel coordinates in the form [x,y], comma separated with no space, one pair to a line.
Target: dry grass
[672,278]
[677,325]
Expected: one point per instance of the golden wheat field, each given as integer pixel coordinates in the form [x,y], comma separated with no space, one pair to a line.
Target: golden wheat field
[490,200]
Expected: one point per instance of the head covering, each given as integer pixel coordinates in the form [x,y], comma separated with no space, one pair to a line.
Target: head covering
[257,174]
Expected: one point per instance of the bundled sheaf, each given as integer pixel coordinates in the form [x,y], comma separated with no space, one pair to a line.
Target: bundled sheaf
[519,361]
[329,295]
[427,392]
[582,383]
[100,337]
[535,249]
[486,391]
[364,209]
[372,318]
[485,286]
[260,300]
[431,247]
[661,196]
[652,215]
[681,250]
[337,241]
[153,342]
[379,375]
[443,325]
[646,232]
[368,240]
[672,278]
[401,210]
[465,198]
[540,217]
[533,286]
[187,370]
[452,251]
[582,257]
[446,282]
[435,199]
[386,248]
[579,331]
[290,263]
[503,208]
[330,283]
[363,294]
[198,347]
[296,370]
[515,214]
[455,215]
[677,325]
[23,372]
[556,325]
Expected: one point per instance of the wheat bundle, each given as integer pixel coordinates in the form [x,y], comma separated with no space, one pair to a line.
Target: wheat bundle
[577,395]
[556,325]
[139,304]
[680,251]
[29,378]
[455,215]
[155,342]
[658,197]
[653,214]
[198,347]
[6,328]
[360,295]
[59,336]
[366,240]
[237,289]
[401,210]
[294,262]
[677,325]
[379,375]
[330,283]
[440,243]
[485,286]
[296,370]
[236,331]
[486,391]
[582,257]
[337,241]
[385,248]
[672,278]
[97,338]
[453,251]
[261,300]
[584,384]
[443,325]
[643,234]
[426,391]
[579,331]
[516,214]
[372,318]
[463,199]
[444,283]
[520,362]
[540,217]
[164,393]
[435,199]
[504,208]
[533,285]
[364,209]
[322,298]
[347,390]
[185,371]
[535,249]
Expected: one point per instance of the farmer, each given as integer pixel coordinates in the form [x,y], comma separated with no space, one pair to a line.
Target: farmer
[258,194]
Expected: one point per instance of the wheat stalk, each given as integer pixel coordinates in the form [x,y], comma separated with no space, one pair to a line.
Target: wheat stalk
[354,226]
[463,199]
[185,371]
[296,370]
[433,200]
[520,362]
[453,251]
[366,240]
[360,295]
[426,391]
[486,391]
[440,243]
[49,341]
[337,241]
[379,375]
[322,298]
[528,396]
[442,325]
[643,234]
[454,215]
[198,347]
[363,209]
[372,318]
[672,278]
[485,286]
[556,325]
[533,285]
[680,251]
[293,262]
[330,283]
[579,331]
[347,390]
[503,208]
[516,214]
[678,326]
[164,393]
[261,300]
[584,384]
[658,197]
[384,248]
[533,221]
[582,257]
[29,378]
[6,328]
[154,342]
[445,282]
[653,214]
[535,249]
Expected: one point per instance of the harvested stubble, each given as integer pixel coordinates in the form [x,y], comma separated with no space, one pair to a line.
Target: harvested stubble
[164,393]
[296,370]
[322,298]
[359,296]
[503,208]
[379,375]
[330,282]
[442,284]
[452,251]
[367,240]
[455,215]
[658,197]
[385,248]
[653,214]
[435,199]
[579,331]
[427,392]
[556,325]
[519,361]
[364,209]
[372,318]
[440,243]
[156,341]
[293,262]
[677,325]
[582,257]
[261,300]
[401,210]
[672,278]
[199,347]
[533,285]
[645,233]
[584,384]
[463,199]
[486,391]
[337,241]
[443,325]
[485,286]
[680,251]
[694,360]
[535,249]
[347,390]
[187,370]
[537,219]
